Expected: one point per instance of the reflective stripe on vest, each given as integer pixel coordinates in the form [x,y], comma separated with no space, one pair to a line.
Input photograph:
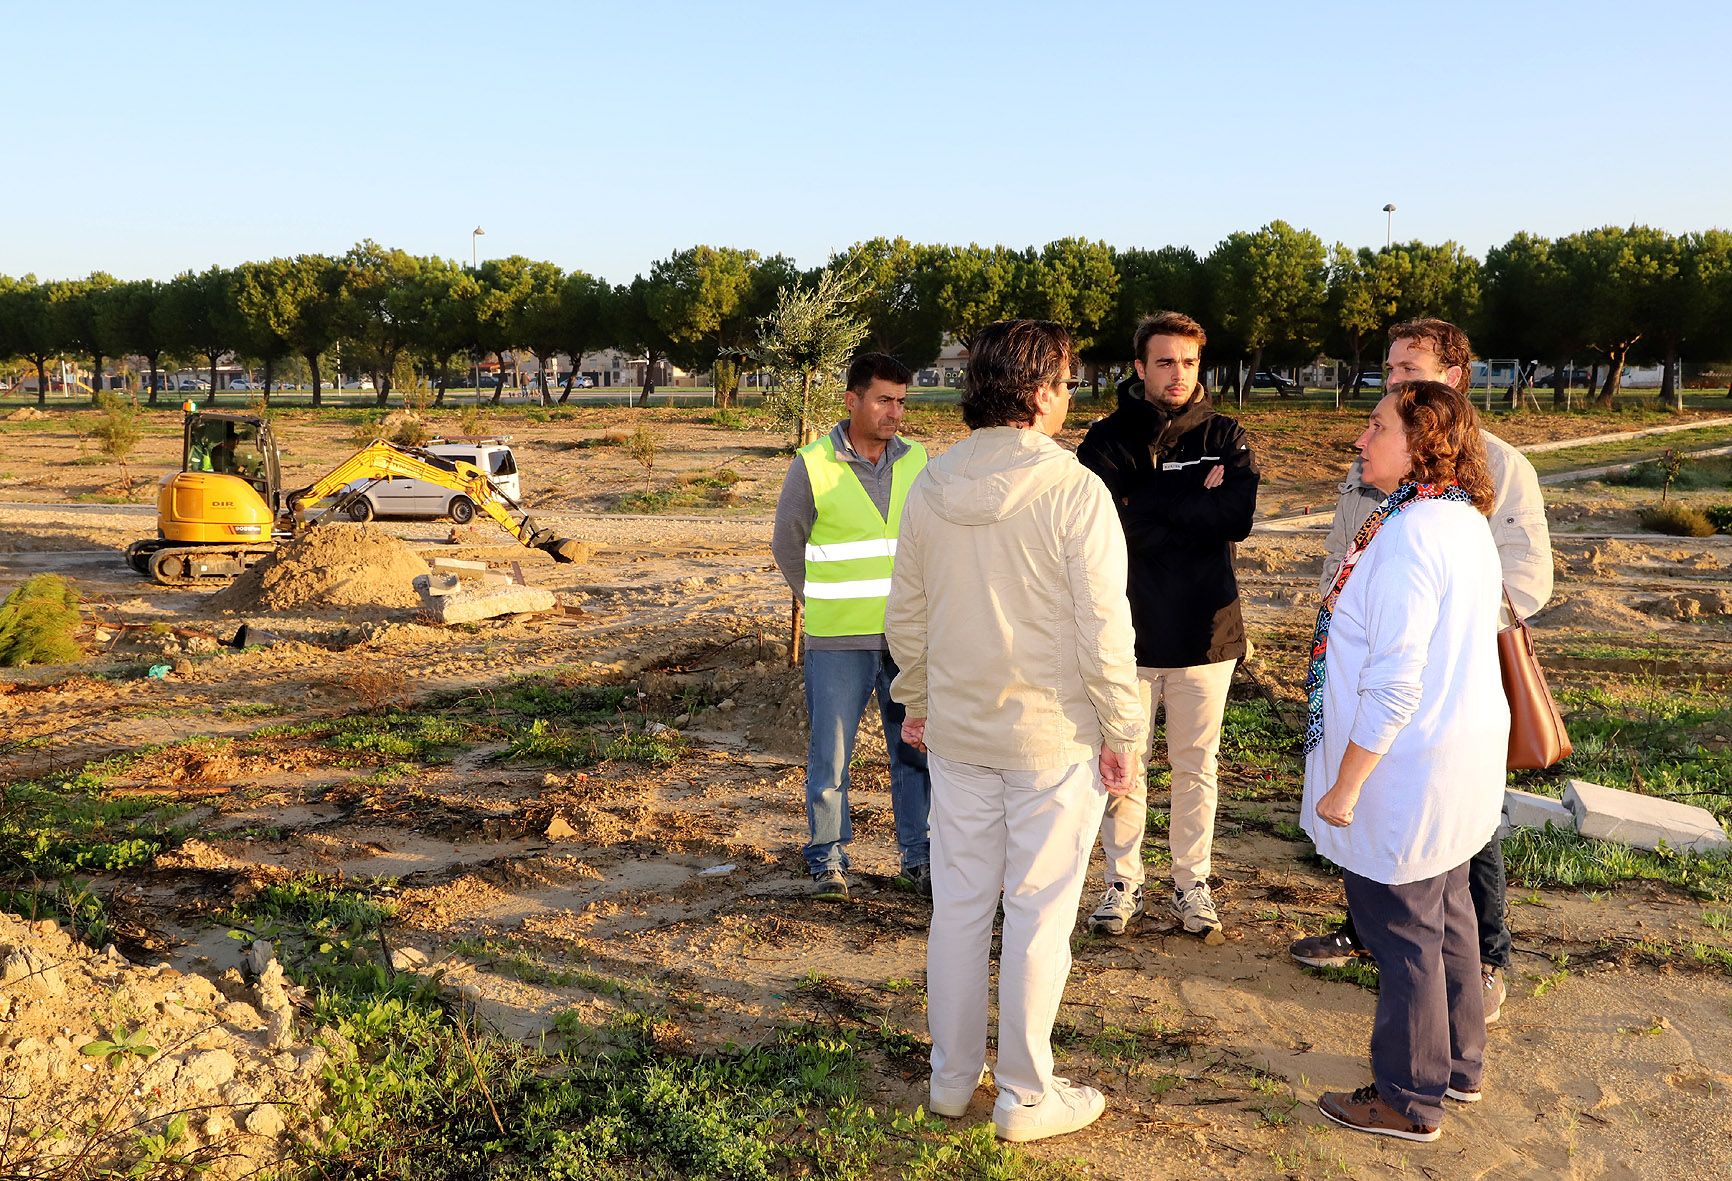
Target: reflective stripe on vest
[852,549]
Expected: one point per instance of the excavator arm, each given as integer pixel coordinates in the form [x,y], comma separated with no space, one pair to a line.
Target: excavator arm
[380,460]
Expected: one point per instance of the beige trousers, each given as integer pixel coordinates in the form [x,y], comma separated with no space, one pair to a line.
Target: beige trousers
[1195,698]
[1024,836]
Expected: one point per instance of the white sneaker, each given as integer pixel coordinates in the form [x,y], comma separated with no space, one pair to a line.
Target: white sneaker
[1064,1108]
[1196,910]
[1119,905]
[952,1102]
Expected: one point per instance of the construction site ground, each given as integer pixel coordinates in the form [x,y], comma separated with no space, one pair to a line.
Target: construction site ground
[646,849]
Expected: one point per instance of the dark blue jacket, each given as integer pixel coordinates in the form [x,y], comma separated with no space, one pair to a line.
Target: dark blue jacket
[1180,535]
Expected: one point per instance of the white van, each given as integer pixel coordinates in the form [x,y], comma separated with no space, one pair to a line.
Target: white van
[400,496]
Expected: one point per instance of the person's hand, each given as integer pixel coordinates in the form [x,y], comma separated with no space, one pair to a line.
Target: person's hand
[1336,805]
[1216,475]
[914,732]
[1115,771]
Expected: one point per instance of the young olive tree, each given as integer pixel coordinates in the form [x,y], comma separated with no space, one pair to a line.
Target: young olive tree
[805,342]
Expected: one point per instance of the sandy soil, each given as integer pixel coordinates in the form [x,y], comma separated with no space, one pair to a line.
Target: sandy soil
[1211,1056]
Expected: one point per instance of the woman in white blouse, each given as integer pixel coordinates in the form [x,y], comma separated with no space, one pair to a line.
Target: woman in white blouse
[1405,749]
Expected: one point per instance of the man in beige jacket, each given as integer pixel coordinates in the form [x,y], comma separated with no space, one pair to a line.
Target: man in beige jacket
[1436,350]
[1008,620]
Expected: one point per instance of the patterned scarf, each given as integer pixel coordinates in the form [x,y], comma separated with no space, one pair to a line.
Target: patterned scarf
[1408,493]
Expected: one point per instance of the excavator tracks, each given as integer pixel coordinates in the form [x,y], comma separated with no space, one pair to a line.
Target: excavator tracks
[193,565]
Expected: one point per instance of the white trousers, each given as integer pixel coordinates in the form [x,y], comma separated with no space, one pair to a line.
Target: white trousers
[1027,835]
[1195,698]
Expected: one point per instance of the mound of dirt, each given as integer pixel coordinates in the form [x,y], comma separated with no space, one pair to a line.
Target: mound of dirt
[25,414]
[1589,610]
[98,1051]
[1689,605]
[331,566]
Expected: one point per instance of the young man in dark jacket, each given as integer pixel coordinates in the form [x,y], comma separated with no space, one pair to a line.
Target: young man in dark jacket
[1186,489]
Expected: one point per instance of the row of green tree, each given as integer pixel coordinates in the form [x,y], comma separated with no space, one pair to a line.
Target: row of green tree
[1275,296]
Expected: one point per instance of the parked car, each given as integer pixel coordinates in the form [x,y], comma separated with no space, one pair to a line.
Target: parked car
[1370,379]
[401,496]
[241,383]
[362,383]
[1264,380]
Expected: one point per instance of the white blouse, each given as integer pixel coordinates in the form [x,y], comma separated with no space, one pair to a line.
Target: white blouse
[1412,674]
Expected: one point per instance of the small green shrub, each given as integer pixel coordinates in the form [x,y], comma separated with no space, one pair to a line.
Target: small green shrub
[1720,516]
[39,623]
[1678,521]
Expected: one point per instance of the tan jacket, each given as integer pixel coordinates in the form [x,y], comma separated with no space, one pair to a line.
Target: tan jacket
[1518,525]
[1007,610]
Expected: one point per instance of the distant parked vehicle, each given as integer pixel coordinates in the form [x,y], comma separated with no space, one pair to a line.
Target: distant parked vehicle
[1264,380]
[1371,379]
[241,383]
[363,383]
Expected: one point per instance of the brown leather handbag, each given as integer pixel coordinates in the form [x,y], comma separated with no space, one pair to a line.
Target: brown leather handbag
[1537,738]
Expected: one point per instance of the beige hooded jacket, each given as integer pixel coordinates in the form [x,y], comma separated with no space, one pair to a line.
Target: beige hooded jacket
[1007,612]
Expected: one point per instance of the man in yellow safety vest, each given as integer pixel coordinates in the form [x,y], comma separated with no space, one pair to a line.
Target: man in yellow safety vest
[835,543]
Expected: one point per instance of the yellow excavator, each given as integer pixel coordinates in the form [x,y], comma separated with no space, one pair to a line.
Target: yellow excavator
[226,509]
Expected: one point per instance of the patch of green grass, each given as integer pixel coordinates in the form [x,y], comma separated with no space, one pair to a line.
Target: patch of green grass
[1658,736]
[1259,750]
[69,901]
[424,737]
[1360,970]
[1559,857]
[1711,471]
[543,741]
[61,825]
[545,697]
[1618,450]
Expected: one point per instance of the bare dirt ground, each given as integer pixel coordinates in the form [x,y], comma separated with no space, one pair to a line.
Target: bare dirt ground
[1618,1067]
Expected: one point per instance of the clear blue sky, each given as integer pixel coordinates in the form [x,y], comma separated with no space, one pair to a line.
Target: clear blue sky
[151,138]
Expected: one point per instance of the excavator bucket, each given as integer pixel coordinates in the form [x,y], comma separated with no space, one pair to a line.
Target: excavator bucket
[566,549]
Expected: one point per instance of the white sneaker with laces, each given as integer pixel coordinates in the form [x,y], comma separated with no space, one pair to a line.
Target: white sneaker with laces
[1120,904]
[952,1102]
[1195,909]
[1064,1108]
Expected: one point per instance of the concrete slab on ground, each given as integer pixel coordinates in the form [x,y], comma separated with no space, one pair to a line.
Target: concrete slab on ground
[1643,822]
[1524,809]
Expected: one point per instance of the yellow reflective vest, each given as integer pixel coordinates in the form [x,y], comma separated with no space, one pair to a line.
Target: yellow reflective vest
[852,549]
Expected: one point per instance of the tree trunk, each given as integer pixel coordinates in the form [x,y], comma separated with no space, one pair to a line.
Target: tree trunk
[96,378]
[381,388]
[649,379]
[570,377]
[499,383]
[1671,393]
[155,380]
[1251,373]
[41,380]
[268,368]
[1560,384]
[212,400]
[1614,375]
[442,364]
[313,364]
[541,380]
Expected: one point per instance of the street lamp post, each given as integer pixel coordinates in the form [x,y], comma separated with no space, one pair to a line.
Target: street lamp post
[1388,226]
[475,266]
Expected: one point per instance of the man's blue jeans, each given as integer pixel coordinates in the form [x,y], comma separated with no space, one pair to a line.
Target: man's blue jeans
[838,687]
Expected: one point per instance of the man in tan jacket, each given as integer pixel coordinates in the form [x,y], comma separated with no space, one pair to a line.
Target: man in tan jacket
[1008,620]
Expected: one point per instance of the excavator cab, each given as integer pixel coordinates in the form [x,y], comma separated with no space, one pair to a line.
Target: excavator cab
[238,445]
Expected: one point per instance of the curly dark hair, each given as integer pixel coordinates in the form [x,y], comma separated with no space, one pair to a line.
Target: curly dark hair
[1447,343]
[1008,362]
[1443,439]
